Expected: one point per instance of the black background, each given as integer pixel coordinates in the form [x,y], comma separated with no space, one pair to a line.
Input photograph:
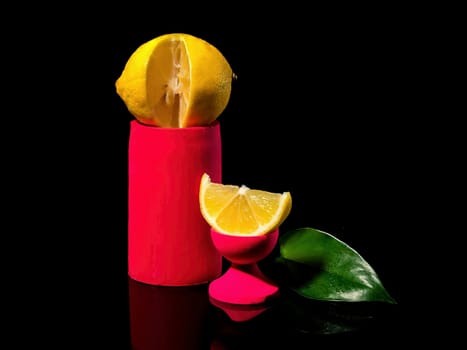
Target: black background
[303,92]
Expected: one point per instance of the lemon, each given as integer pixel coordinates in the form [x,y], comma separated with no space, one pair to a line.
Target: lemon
[239,210]
[176,80]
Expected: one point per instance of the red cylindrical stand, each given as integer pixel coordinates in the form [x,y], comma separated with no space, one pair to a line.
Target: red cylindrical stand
[169,241]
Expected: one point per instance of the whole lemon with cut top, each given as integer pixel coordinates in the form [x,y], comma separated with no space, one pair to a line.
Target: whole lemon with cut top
[176,80]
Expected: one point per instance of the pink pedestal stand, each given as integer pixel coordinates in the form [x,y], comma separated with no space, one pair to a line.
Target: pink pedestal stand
[243,283]
[169,241]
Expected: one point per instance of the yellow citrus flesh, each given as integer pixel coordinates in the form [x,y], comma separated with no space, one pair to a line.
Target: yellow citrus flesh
[239,210]
[176,80]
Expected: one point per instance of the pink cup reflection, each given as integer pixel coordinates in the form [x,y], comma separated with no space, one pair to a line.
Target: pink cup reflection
[243,283]
[241,313]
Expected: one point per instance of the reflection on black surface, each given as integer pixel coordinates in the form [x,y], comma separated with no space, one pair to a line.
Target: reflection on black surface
[241,313]
[164,318]
[185,318]
[296,323]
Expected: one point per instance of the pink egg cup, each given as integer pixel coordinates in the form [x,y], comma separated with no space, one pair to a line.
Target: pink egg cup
[243,283]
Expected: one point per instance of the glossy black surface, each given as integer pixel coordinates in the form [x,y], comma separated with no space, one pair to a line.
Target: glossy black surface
[186,318]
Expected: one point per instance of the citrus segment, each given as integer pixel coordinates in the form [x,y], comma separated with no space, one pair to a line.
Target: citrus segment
[175,80]
[239,210]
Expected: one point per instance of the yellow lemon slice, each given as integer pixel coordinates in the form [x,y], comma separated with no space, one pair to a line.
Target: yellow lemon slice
[176,80]
[239,210]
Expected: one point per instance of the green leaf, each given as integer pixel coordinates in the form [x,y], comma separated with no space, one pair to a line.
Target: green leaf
[319,266]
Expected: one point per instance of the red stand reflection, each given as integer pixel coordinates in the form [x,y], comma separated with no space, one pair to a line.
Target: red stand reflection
[168,318]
